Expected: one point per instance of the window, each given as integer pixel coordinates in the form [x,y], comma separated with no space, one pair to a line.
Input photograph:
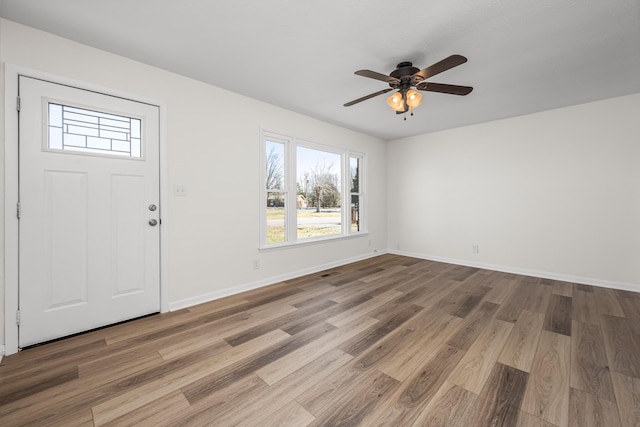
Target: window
[309,191]
[88,131]
[355,163]
[276,191]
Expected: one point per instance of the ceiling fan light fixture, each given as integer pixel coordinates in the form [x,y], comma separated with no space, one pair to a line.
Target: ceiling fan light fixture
[414,98]
[396,102]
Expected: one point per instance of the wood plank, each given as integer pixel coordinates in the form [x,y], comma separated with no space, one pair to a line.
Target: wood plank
[139,396]
[582,288]
[436,291]
[526,295]
[471,301]
[284,366]
[627,391]
[404,405]
[221,378]
[290,415]
[521,345]
[622,345]
[286,390]
[218,406]
[528,420]
[476,365]
[449,407]
[276,320]
[606,302]
[473,325]
[558,318]
[361,400]
[401,355]
[52,404]
[589,365]
[500,399]
[547,393]
[384,274]
[353,313]
[330,390]
[147,325]
[501,288]
[586,410]
[23,387]
[584,307]
[152,413]
[631,309]
[366,339]
[465,302]
[294,327]
[562,288]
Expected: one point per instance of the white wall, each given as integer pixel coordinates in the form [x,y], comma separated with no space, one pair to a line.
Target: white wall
[213,149]
[554,194]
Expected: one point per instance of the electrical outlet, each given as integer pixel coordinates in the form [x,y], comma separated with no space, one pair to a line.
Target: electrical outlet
[256,264]
[179,190]
[475,249]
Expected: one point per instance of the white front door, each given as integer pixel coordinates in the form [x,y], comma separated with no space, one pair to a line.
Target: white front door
[89,234]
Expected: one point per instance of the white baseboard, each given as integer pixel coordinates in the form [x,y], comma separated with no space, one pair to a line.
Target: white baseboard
[1,352]
[525,272]
[188,302]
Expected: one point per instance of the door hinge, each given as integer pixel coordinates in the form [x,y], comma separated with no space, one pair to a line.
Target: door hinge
[18,210]
[18,103]
[18,317]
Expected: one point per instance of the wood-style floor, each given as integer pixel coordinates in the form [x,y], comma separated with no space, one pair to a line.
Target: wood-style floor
[390,341]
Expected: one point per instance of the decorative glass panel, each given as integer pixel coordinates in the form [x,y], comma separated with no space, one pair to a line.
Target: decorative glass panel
[88,131]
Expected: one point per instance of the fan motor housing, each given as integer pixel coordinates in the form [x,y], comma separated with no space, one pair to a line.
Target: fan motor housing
[404,69]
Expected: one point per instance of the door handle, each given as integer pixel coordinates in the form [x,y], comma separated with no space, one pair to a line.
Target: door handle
[153,222]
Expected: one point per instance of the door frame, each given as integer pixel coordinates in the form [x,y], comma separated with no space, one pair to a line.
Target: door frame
[11,190]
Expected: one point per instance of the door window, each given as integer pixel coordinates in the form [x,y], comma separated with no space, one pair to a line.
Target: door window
[95,132]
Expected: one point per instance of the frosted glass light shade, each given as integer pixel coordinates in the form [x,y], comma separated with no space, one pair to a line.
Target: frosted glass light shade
[414,98]
[396,102]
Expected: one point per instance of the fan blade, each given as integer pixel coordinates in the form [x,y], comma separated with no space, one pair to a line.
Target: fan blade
[444,88]
[377,76]
[364,98]
[439,67]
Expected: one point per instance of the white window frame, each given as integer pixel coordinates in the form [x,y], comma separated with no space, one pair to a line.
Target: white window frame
[360,193]
[290,169]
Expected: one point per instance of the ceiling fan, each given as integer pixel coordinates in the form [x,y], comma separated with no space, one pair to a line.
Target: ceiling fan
[406,77]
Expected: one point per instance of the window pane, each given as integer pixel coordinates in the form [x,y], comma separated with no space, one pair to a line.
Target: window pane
[355,213]
[276,231]
[318,193]
[275,166]
[327,222]
[354,171]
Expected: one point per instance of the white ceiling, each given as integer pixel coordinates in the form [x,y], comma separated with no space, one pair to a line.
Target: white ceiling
[524,55]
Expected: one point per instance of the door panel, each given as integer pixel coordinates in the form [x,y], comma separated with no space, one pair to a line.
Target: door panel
[66,238]
[127,254]
[89,169]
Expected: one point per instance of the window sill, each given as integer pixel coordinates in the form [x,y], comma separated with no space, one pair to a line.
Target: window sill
[310,242]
